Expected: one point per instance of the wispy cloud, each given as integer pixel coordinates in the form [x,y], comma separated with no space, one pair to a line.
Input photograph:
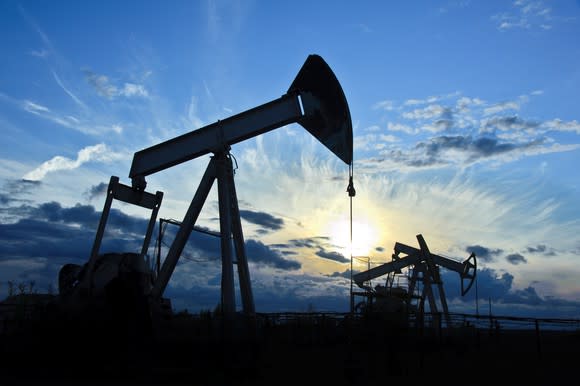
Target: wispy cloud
[47,48]
[34,108]
[39,53]
[98,152]
[525,14]
[65,120]
[68,92]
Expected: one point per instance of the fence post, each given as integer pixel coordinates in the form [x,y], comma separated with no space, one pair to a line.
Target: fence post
[538,341]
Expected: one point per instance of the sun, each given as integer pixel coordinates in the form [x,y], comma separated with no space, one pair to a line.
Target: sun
[365,237]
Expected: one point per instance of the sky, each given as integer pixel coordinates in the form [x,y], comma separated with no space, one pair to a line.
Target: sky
[466,130]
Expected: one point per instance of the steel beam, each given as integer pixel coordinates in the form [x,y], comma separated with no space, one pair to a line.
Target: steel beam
[216,137]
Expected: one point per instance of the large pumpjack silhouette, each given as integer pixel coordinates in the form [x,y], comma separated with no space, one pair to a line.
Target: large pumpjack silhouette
[315,100]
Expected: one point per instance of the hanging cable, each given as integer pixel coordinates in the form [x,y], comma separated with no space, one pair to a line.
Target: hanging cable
[235,161]
[351,193]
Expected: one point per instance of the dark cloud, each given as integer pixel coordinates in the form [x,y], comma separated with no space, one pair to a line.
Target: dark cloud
[542,249]
[345,274]
[488,284]
[97,190]
[476,148]
[483,253]
[23,186]
[322,246]
[257,252]
[289,253]
[526,296]
[5,199]
[262,219]
[49,235]
[494,292]
[516,259]
[309,242]
[508,123]
[204,246]
[54,232]
[280,246]
[15,190]
[331,255]
[79,214]
[56,235]
[443,150]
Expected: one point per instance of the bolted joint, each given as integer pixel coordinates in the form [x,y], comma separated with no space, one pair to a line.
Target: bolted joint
[138,183]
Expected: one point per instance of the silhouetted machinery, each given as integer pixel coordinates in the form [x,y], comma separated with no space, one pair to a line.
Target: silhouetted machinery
[398,302]
[315,100]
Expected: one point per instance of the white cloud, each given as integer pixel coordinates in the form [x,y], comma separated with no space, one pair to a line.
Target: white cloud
[463,103]
[499,107]
[558,124]
[401,127]
[98,152]
[384,105]
[192,113]
[117,129]
[414,102]
[431,111]
[39,53]
[131,89]
[388,138]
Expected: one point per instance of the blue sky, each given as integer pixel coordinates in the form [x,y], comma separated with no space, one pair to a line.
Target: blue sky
[465,120]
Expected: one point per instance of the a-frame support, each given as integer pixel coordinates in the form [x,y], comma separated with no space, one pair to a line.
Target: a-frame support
[118,191]
[433,277]
[220,168]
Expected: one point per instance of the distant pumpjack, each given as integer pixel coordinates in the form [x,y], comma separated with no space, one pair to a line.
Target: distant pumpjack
[425,269]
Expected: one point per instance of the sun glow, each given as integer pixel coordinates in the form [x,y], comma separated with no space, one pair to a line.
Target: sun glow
[364,237]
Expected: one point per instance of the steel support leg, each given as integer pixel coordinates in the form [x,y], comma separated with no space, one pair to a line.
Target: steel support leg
[224,169]
[184,230]
[242,261]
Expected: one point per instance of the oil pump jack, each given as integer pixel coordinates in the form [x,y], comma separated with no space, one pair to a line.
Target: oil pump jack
[423,269]
[315,100]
